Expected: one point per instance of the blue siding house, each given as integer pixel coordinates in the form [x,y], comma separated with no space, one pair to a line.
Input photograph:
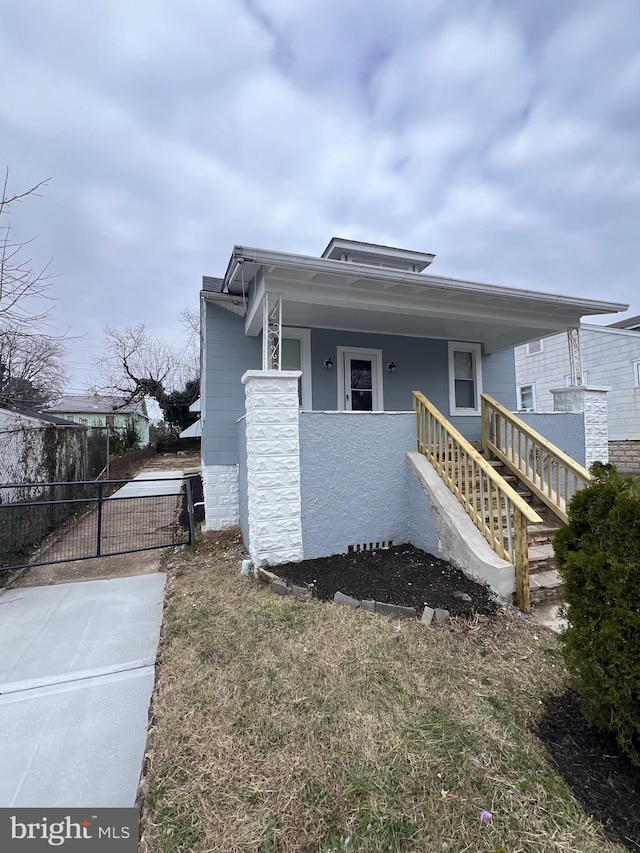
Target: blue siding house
[309,365]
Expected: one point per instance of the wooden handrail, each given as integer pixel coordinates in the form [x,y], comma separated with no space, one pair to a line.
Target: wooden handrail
[546,470]
[496,509]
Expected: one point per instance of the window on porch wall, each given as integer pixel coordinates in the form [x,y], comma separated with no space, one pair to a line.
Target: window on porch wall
[465,379]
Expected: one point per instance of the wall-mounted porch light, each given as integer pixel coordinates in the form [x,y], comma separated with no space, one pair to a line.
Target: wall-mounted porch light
[328,364]
[391,367]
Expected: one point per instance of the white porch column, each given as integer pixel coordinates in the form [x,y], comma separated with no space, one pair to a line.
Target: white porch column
[575,356]
[592,402]
[273,466]
[271,331]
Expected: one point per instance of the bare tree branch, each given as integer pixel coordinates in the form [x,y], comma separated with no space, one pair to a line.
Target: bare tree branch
[136,364]
[31,362]
[22,287]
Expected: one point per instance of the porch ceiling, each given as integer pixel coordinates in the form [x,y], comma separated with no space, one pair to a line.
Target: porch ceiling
[334,294]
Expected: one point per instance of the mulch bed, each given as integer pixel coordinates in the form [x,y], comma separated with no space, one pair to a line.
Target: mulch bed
[402,575]
[603,780]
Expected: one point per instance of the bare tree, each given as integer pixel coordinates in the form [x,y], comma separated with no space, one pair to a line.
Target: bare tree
[23,287]
[31,361]
[190,321]
[32,371]
[136,364]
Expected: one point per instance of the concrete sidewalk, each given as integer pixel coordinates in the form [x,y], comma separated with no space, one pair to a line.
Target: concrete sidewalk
[76,676]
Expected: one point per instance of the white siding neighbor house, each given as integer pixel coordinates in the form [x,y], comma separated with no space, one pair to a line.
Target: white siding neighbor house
[609,359]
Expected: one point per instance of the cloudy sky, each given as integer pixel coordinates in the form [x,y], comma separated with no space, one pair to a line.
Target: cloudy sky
[503,135]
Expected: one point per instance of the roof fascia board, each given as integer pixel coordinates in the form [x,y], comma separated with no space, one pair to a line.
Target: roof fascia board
[593,327]
[387,302]
[306,263]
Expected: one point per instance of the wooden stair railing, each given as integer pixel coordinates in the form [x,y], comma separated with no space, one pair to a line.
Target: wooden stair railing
[493,505]
[544,469]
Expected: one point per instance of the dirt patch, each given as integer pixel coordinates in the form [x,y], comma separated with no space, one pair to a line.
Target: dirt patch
[602,779]
[400,575]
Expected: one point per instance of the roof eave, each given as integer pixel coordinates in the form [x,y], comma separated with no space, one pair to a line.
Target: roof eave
[264,257]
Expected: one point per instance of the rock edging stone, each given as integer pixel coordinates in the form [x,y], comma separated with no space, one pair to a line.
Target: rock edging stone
[280,587]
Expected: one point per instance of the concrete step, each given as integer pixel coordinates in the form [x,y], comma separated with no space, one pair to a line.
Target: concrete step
[545,586]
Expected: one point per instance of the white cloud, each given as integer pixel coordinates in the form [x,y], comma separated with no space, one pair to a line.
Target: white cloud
[502,137]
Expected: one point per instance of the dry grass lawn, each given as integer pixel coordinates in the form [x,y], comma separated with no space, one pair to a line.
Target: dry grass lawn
[282,726]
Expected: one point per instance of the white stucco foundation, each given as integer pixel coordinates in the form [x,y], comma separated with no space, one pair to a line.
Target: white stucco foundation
[274,507]
[221,496]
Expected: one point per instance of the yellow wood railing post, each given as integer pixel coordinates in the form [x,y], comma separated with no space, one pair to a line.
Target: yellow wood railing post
[521,562]
[486,427]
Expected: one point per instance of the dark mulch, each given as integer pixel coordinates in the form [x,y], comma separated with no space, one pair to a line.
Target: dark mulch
[400,575]
[603,780]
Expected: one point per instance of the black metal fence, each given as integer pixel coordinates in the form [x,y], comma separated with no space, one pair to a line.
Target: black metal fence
[44,523]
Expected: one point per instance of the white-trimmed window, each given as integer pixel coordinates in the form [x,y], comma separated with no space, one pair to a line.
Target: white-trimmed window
[465,378]
[296,355]
[534,347]
[636,374]
[527,398]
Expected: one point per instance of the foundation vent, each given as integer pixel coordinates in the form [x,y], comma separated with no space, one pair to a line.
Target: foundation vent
[369,546]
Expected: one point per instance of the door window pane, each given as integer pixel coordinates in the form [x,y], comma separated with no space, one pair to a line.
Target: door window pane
[362,401]
[361,373]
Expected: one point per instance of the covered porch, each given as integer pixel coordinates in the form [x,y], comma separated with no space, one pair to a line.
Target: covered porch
[366,325]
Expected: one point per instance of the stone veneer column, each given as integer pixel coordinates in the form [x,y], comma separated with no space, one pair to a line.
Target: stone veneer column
[592,402]
[273,466]
[221,496]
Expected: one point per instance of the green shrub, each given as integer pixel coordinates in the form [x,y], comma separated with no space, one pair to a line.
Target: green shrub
[598,554]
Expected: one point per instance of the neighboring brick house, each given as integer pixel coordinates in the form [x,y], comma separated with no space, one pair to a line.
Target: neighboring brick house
[610,359]
[100,411]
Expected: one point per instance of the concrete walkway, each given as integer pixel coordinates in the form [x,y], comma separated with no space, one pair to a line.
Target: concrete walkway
[76,676]
[77,668]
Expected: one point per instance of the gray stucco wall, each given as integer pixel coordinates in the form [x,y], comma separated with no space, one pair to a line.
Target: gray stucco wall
[242,480]
[420,527]
[227,355]
[564,429]
[353,479]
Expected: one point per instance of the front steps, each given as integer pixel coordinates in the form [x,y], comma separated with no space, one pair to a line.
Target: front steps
[545,581]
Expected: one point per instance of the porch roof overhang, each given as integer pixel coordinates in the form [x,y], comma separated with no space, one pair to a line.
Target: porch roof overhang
[334,294]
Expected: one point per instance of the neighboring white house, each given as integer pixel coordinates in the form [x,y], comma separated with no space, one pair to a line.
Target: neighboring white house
[96,410]
[609,358]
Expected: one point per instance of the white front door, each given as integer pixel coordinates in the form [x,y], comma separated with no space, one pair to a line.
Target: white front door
[361,385]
